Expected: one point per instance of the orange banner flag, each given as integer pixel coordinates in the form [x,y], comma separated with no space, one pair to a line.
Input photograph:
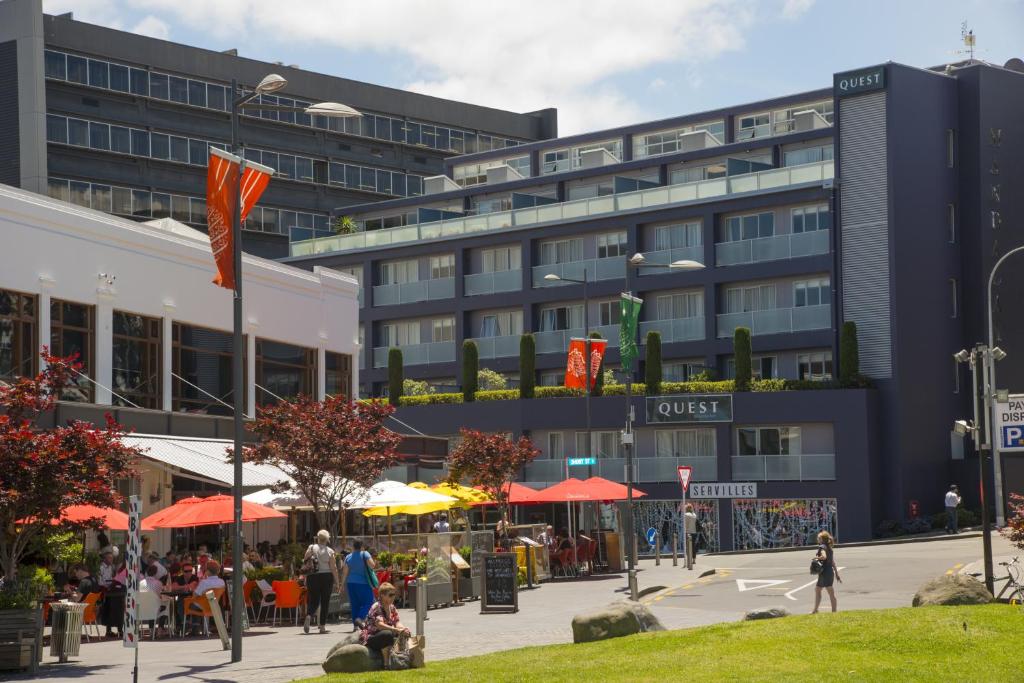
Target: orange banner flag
[597,349]
[221,183]
[576,365]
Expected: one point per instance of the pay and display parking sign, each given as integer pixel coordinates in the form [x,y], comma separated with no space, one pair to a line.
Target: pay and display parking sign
[1013,437]
[1010,423]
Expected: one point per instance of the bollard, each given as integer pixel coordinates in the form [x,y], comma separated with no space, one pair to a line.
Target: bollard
[633,590]
[675,549]
[529,566]
[421,604]
[688,550]
[657,550]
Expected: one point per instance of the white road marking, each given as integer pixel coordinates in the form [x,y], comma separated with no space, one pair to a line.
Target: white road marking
[800,588]
[744,585]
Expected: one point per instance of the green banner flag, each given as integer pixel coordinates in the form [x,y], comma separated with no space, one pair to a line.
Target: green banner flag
[628,322]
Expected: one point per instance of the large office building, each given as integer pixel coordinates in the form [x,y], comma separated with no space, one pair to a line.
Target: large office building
[123,123]
[884,199]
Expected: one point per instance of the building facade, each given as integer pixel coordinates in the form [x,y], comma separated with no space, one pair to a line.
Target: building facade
[873,201]
[123,123]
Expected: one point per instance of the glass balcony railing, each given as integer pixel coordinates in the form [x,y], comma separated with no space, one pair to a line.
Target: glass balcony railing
[595,269]
[492,283]
[784,467]
[497,347]
[411,292]
[772,248]
[557,341]
[683,194]
[777,320]
[646,469]
[694,253]
[675,330]
[417,354]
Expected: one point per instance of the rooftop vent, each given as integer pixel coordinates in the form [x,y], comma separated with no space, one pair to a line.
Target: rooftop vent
[1015,64]
[437,184]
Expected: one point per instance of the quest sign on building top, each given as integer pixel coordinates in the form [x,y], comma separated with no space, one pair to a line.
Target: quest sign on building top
[862,80]
[689,408]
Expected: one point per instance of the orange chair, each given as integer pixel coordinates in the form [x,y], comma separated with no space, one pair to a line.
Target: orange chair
[89,617]
[199,606]
[289,596]
[247,589]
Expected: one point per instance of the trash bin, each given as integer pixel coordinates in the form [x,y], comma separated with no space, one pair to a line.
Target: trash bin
[66,635]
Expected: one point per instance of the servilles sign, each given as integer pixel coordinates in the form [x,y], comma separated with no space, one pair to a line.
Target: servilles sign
[689,408]
[862,80]
[723,490]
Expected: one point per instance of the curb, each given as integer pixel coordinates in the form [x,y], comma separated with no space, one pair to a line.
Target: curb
[899,540]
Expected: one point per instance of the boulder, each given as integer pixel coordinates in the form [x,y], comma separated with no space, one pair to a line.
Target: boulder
[957,589]
[621,618]
[349,659]
[765,613]
[349,639]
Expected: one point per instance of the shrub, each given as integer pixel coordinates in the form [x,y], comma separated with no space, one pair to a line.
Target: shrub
[771,384]
[609,379]
[917,526]
[430,399]
[344,225]
[1014,529]
[268,574]
[385,558]
[723,387]
[413,387]
[888,528]
[395,375]
[742,352]
[527,365]
[652,363]
[489,380]
[498,395]
[556,392]
[849,355]
[639,388]
[467,553]
[470,368]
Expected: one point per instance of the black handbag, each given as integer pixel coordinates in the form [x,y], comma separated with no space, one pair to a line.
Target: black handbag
[817,566]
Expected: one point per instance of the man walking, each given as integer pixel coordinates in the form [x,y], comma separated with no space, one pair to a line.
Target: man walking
[952,501]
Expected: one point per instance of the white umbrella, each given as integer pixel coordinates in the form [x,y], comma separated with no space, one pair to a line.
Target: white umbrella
[387,495]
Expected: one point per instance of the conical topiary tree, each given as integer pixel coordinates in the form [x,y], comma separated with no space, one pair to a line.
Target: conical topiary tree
[470,368]
[527,366]
[849,354]
[652,363]
[395,375]
[741,349]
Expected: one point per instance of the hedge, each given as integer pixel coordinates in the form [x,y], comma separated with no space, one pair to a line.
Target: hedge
[498,395]
[429,399]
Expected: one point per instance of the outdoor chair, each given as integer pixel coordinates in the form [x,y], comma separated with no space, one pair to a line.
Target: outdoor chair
[89,617]
[288,595]
[247,589]
[267,601]
[199,606]
[151,609]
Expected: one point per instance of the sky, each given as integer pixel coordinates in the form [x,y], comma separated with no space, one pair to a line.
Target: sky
[601,63]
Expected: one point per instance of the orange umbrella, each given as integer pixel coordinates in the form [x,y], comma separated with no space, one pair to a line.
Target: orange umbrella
[517,495]
[577,491]
[190,512]
[115,520]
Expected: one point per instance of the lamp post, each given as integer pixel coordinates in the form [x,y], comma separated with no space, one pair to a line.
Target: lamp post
[244,99]
[638,261]
[990,405]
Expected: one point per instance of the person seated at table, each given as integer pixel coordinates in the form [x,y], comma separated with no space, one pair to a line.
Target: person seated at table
[107,569]
[112,607]
[151,583]
[383,628]
[548,539]
[252,562]
[204,559]
[565,541]
[169,559]
[153,560]
[212,579]
[81,583]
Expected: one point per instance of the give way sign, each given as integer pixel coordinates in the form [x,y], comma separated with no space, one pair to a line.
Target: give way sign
[685,472]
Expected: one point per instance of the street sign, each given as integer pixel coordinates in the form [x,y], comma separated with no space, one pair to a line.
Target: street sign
[574,462]
[652,536]
[724,490]
[1009,423]
[685,472]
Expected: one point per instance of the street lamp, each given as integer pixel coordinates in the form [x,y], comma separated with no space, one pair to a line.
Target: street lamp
[242,99]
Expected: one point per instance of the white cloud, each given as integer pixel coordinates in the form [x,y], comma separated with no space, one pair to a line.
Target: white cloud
[153,27]
[793,9]
[657,84]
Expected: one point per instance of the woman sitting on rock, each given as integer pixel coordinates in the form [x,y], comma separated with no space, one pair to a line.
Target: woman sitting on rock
[382,628]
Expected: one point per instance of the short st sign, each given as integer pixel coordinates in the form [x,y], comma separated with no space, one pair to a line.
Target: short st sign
[723,490]
[863,80]
[689,408]
[577,462]
[1010,423]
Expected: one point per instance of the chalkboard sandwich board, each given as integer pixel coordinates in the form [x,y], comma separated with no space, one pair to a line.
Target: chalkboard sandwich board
[500,590]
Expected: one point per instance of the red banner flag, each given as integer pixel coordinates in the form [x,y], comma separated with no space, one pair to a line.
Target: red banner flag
[597,349]
[221,183]
[576,365]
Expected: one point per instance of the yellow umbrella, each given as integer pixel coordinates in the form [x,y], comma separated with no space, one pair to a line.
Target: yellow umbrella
[464,494]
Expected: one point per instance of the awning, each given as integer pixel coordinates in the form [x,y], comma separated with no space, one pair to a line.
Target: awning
[206,458]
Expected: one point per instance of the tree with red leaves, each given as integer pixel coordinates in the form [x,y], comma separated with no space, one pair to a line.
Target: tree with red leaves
[43,471]
[490,461]
[330,449]
[1014,529]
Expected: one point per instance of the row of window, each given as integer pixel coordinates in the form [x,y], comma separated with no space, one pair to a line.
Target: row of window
[136,203]
[670,141]
[200,93]
[781,121]
[201,358]
[97,135]
[700,442]
[468,175]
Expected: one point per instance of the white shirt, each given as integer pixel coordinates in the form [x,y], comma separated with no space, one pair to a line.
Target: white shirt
[442,527]
[690,521]
[105,574]
[151,584]
[208,584]
[952,499]
[324,555]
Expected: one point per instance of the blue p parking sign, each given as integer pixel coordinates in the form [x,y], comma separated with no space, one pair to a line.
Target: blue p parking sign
[1013,436]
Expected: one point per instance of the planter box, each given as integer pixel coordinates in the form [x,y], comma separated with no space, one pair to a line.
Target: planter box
[21,639]
[469,587]
[438,595]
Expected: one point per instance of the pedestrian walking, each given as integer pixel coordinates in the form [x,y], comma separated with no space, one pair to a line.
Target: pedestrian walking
[952,501]
[829,570]
[321,582]
[355,576]
[690,526]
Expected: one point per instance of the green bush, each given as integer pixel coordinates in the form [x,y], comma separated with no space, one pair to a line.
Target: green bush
[742,352]
[722,387]
[609,378]
[490,380]
[652,363]
[470,369]
[414,387]
[556,392]
[639,388]
[527,366]
[395,376]
[268,574]
[770,384]
[467,553]
[849,355]
[498,395]
[430,399]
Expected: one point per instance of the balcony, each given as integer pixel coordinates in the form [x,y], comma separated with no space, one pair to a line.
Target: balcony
[614,469]
[784,467]
[777,320]
[596,269]
[772,248]
[497,347]
[684,194]
[411,292]
[675,330]
[492,283]
[417,354]
[557,341]
[695,253]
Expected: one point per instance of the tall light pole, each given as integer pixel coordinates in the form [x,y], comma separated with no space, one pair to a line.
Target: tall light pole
[241,99]
[990,405]
[638,261]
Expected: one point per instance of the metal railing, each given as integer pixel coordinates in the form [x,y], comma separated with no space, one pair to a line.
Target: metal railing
[694,253]
[557,341]
[777,320]
[411,292]
[596,269]
[816,467]
[497,347]
[681,194]
[417,354]
[646,469]
[491,283]
[772,248]
[674,330]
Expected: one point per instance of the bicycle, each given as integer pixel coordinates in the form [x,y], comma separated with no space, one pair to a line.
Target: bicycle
[1013,582]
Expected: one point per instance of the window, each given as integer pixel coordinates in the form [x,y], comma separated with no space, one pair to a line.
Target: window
[669,141]
[55,64]
[950,148]
[201,367]
[808,155]
[561,251]
[749,227]
[814,292]
[682,371]
[685,443]
[603,444]
[283,371]
[761,367]
[502,324]
[678,236]
[120,140]
[72,332]
[695,174]
[613,147]
[119,78]
[551,378]
[609,312]
[784,120]
[501,259]
[442,267]
[56,129]
[399,272]
[747,299]
[684,305]
[442,330]
[78,132]
[753,126]
[569,317]
[768,441]
[953,298]
[137,361]
[816,365]
[600,189]
[611,244]
[555,161]
[18,351]
[811,218]
[951,219]
[98,73]
[556,446]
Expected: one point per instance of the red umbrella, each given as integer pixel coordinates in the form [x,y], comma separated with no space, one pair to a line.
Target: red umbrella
[115,520]
[518,495]
[577,491]
[190,512]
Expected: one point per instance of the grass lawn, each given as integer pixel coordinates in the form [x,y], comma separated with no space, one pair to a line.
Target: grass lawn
[908,644]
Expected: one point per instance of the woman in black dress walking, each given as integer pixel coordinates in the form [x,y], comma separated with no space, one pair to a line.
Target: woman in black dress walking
[829,571]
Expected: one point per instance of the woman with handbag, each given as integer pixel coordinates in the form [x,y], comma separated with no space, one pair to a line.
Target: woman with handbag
[825,558]
[321,570]
[383,630]
[360,580]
